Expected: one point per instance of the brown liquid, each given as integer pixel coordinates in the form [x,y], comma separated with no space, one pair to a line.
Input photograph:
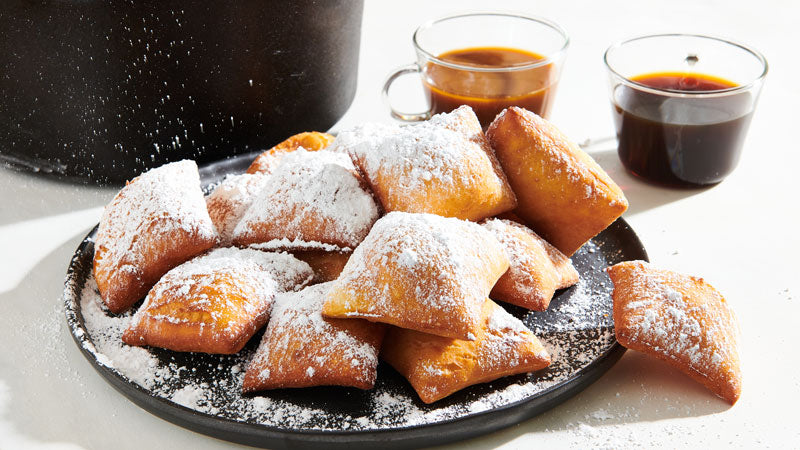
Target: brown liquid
[680,141]
[488,93]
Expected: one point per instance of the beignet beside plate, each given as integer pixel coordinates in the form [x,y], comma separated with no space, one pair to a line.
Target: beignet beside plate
[215,302]
[438,366]
[157,221]
[420,271]
[680,319]
[442,166]
[300,348]
[562,194]
[536,268]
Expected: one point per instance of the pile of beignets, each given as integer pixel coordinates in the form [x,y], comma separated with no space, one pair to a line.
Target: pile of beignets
[385,242]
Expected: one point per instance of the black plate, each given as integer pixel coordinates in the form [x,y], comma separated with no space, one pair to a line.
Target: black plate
[202,392]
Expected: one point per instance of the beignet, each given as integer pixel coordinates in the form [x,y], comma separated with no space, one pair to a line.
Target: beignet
[443,166]
[680,319]
[327,265]
[536,268]
[562,194]
[215,302]
[157,221]
[420,271]
[228,202]
[438,366]
[311,196]
[300,348]
[267,161]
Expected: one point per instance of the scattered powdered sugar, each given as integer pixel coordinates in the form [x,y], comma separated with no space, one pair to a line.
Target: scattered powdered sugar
[312,192]
[212,384]
[230,199]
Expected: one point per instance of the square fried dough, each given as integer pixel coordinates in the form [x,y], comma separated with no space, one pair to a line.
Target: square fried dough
[442,166]
[230,199]
[438,366]
[562,194]
[300,348]
[215,302]
[536,268]
[680,319]
[311,141]
[157,221]
[310,197]
[420,271]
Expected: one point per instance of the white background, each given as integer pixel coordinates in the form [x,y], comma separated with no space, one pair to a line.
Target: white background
[742,236]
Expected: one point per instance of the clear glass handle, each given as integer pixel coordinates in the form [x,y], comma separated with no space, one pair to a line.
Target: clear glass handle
[408,117]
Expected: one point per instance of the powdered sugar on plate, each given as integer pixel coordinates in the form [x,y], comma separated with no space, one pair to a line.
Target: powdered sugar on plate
[577,331]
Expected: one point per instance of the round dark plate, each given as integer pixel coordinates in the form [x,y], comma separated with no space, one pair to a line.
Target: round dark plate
[203,392]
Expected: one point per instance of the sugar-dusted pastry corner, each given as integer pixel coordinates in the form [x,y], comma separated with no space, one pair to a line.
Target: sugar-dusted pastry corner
[437,366]
[300,348]
[443,166]
[157,221]
[680,319]
[310,197]
[230,199]
[215,302]
[267,161]
[420,271]
[562,194]
[536,269]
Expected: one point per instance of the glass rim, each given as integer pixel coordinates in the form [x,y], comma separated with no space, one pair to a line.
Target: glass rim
[548,59]
[678,92]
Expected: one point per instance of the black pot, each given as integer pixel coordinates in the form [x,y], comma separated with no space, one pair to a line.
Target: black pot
[101,90]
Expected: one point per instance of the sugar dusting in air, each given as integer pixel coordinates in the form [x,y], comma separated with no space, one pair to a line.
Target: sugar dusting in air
[577,330]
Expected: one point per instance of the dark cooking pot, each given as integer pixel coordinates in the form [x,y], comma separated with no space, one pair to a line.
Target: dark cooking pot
[104,89]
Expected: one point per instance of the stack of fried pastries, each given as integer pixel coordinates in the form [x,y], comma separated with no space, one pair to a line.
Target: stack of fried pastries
[329,245]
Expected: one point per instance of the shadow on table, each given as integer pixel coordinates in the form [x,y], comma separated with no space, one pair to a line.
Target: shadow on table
[27,196]
[637,389]
[642,196]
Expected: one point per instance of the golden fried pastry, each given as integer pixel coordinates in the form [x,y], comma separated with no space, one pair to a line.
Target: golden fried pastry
[680,319]
[327,265]
[301,348]
[443,166]
[228,202]
[420,271]
[563,195]
[216,302]
[438,366]
[537,268]
[309,140]
[157,221]
[311,197]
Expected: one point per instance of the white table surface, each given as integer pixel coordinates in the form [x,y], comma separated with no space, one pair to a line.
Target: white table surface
[741,235]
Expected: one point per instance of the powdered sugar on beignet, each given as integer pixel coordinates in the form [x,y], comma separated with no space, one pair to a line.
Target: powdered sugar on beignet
[157,221]
[311,196]
[420,271]
[536,268]
[680,319]
[230,199]
[215,302]
[444,166]
[438,366]
[300,348]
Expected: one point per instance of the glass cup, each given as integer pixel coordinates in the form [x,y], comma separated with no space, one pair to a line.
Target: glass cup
[682,105]
[489,61]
